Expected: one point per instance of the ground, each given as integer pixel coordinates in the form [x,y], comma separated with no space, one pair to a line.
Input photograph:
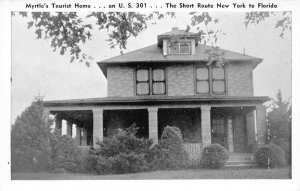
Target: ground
[244,173]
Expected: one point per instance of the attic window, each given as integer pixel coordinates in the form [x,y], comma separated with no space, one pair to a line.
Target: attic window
[180,48]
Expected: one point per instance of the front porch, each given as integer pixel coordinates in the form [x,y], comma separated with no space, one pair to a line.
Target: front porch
[239,127]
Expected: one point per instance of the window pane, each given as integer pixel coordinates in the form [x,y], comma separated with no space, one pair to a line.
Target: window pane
[158,75]
[184,48]
[218,73]
[142,88]
[142,75]
[218,86]
[202,87]
[202,73]
[158,88]
[174,49]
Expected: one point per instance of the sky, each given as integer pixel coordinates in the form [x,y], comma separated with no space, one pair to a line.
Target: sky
[37,70]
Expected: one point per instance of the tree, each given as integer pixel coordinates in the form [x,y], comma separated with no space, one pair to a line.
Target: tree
[30,136]
[68,31]
[280,124]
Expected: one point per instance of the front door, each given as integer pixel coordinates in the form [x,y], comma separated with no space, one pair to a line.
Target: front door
[218,133]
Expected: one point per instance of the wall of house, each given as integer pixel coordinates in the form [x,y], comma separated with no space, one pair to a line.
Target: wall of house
[180,80]
[239,79]
[120,81]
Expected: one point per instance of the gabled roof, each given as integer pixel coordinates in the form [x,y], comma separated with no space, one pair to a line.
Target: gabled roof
[154,53]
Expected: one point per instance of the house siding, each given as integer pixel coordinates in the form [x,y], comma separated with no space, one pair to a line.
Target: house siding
[120,81]
[180,80]
[239,79]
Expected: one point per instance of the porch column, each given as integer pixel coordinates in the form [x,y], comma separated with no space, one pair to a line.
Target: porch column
[58,123]
[205,125]
[69,128]
[84,137]
[230,135]
[153,124]
[78,135]
[261,124]
[97,126]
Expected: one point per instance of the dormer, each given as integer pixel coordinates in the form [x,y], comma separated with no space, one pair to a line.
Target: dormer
[178,42]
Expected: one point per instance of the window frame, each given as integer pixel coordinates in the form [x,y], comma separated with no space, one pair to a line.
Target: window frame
[213,80]
[179,53]
[136,81]
[150,81]
[210,79]
[163,81]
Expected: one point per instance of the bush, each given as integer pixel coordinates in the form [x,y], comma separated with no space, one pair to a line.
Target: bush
[30,136]
[285,144]
[270,155]
[123,153]
[65,154]
[214,156]
[169,153]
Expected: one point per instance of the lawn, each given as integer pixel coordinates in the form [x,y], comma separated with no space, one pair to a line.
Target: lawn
[234,173]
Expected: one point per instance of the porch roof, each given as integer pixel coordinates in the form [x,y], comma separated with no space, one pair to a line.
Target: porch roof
[157,100]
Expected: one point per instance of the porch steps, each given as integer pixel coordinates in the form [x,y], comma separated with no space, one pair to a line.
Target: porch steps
[241,160]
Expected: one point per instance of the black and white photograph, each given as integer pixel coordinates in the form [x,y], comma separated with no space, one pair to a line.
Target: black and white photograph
[151,95]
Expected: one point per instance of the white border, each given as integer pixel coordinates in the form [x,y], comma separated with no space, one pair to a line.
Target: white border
[5,69]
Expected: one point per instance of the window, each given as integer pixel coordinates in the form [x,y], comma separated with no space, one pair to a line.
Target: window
[180,48]
[218,80]
[158,81]
[150,78]
[210,80]
[202,80]
[142,82]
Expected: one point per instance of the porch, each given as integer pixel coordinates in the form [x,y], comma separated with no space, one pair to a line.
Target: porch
[237,124]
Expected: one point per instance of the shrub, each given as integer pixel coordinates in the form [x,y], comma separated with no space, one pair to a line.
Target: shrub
[285,144]
[123,153]
[65,154]
[214,156]
[169,153]
[270,155]
[30,136]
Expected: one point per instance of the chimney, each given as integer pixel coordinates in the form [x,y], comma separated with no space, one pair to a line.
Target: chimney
[175,29]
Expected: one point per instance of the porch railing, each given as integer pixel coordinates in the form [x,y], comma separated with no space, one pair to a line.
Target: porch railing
[194,150]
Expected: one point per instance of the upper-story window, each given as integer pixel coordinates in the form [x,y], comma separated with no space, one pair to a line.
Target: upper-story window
[210,80]
[180,48]
[150,81]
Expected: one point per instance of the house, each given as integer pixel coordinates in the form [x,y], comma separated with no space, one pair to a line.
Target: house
[171,83]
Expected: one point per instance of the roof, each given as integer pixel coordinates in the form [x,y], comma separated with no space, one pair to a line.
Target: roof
[156,100]
[153,53]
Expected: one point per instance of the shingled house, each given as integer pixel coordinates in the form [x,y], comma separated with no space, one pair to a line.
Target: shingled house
[170,83]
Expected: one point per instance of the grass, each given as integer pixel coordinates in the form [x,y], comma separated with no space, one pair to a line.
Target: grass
[234,173]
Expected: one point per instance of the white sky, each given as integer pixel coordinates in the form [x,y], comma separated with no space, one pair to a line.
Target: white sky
[36,69]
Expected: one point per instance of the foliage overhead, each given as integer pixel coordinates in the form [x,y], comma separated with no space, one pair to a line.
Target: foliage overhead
[69,31]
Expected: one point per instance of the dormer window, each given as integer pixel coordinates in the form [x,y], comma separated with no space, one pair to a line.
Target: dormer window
[179,48]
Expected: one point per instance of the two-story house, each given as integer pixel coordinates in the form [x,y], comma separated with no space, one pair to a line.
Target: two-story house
[171,83]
